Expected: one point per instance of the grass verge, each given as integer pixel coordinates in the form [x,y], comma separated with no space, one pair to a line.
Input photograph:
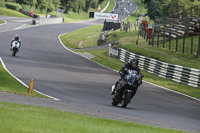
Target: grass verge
[11,85]
[16,118]
[9,12]
[1,22]
[86,37]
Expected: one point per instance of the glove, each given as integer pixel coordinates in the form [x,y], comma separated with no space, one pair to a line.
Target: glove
[126,70]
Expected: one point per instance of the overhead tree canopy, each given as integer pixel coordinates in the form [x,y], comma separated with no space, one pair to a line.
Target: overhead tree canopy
[50,5]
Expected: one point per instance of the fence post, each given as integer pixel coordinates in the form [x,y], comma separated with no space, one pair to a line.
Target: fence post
[191,44]
[158,36]
[153,36]
[183,44]
[199,46]
[170,38]
[164,37]
[176,43]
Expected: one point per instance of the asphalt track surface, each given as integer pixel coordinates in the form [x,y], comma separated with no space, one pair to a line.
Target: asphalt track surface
[73,79]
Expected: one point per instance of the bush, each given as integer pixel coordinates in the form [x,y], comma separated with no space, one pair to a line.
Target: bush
[2,4]
[13,6]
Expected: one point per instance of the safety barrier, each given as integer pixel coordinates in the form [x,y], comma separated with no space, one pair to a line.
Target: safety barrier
[180,74]
[44,21]
[29,13]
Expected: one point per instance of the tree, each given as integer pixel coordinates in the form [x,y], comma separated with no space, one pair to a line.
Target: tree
[164,8]
[56,3]
[148,1]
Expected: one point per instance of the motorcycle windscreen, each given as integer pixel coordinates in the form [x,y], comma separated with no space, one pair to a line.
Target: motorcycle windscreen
[130,78]
[15,44]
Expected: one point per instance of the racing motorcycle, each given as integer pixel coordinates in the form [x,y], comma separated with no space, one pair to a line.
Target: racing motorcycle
[15,47]
[126,88]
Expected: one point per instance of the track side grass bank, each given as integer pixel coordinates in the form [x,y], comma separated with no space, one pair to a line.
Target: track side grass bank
[127,40]
[83,38]
[13,13]
[16,118]
[11,85]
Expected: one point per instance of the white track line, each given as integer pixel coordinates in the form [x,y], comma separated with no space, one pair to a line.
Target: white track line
[19,27]
[5,22]
[2,62]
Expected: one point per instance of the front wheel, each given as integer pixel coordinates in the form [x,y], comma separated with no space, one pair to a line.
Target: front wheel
[14,53]
[114,102]
[126,99]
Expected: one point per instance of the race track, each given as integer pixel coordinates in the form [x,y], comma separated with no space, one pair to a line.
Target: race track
[60,73]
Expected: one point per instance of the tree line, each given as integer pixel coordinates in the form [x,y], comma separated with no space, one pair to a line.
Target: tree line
[51,5]
[164,8]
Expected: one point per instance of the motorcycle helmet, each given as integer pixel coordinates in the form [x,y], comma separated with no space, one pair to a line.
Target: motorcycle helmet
[134,62]
[16,38]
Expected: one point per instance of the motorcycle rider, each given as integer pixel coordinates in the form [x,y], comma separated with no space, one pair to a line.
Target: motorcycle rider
[16,38]
[133,65]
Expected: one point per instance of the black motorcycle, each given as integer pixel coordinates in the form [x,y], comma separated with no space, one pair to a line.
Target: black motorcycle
[126,88]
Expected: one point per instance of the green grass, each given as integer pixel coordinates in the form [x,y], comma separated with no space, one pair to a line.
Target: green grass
[187,46]
[88,36]
[8,12]
[11,85]
[1,22]
[80,16]
[16,118]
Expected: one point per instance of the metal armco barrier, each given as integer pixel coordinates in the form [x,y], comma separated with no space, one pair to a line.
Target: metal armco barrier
[180,74]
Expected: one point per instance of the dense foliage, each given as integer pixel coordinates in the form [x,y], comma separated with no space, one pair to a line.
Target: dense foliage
[163,8]
[51,5]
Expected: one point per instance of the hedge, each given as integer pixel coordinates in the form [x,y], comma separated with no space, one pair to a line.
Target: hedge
[13,6]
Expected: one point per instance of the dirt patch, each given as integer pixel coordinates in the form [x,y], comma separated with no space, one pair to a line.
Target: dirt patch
[92,36]
[89,55]
[80,45]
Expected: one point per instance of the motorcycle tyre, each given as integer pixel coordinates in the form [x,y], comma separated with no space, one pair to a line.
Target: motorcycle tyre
[14,53]
[114,102]
[126,100]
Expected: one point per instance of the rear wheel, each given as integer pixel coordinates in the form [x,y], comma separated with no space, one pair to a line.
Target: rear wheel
[126,99]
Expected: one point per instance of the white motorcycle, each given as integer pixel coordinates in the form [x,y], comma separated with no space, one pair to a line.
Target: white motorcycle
[15,47]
